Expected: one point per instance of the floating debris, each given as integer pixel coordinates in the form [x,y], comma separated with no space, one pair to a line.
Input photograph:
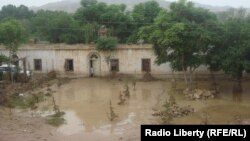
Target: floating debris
[177,111]
[199,94]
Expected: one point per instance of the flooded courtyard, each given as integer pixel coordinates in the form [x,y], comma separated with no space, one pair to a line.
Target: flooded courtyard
[86,103]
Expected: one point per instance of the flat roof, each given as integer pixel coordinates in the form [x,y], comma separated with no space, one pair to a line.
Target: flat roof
[75,46]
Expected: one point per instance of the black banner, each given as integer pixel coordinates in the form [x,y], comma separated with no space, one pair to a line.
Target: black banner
[195,132]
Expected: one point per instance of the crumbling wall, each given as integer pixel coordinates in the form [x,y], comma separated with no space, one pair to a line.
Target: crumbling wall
[130,59]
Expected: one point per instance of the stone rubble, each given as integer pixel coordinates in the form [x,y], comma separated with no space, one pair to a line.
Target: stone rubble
[199,94]
[177,111]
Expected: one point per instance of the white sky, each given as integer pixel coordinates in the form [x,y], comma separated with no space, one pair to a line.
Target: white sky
[26,2]
[233,3]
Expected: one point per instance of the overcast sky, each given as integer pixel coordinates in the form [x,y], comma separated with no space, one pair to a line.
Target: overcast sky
[233,3]
[26,2]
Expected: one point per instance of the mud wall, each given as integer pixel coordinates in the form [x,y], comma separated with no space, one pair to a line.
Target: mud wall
[53,57]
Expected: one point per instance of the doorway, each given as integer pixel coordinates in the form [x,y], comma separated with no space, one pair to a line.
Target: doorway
[94,64]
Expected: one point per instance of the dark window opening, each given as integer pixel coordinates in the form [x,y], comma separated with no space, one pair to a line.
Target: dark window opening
[146,66]
[37,64]
[114,65]
[69,65]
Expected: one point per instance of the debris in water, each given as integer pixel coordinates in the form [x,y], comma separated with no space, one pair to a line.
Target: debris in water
[205,118]
[172,110]
[112,115]
[126,91]
[122,99]
[134,84]
[199,94]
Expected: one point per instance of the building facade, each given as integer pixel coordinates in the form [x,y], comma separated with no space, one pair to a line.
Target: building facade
[85,60]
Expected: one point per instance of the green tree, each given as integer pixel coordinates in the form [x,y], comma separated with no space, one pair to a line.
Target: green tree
[107,45]
[11,35]
[143,14]
[236,58]
[181,36]
[21,13]
[90,11]
[56,27]
[11,11]
[92,15]
[3,58]
[117,20]
[90,32]
[89,17]
[215,51]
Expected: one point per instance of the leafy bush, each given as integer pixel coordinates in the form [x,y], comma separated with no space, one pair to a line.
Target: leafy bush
[106,44]
[56,119]
[3,58]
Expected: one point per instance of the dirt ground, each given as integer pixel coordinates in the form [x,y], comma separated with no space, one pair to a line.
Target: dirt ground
[20,126]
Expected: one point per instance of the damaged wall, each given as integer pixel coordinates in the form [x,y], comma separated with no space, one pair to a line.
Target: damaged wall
[53,57]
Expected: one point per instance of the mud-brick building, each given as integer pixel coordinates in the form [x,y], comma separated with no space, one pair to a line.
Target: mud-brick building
[81,59]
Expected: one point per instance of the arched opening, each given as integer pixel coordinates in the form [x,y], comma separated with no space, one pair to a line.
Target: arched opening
[94,64]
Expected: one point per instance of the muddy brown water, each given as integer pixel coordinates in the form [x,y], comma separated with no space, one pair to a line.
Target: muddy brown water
[86,104]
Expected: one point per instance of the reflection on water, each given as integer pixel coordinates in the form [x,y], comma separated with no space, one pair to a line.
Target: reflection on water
[73,125]
[86,104]
[237,97]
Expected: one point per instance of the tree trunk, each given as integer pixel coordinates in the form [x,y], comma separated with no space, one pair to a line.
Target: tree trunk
[212,77]
[173,82]
[10,65]
[24,70]
[190,79]
[214,83]
[184,69]
[108,62]
[237,89]
[185,77]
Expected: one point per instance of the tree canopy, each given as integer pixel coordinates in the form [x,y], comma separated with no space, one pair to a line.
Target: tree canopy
[144,13]
[236,58]
[11,34]
[106,44]
[56,27]
[113,17]
[181,35]
[82,26]
[11,11]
